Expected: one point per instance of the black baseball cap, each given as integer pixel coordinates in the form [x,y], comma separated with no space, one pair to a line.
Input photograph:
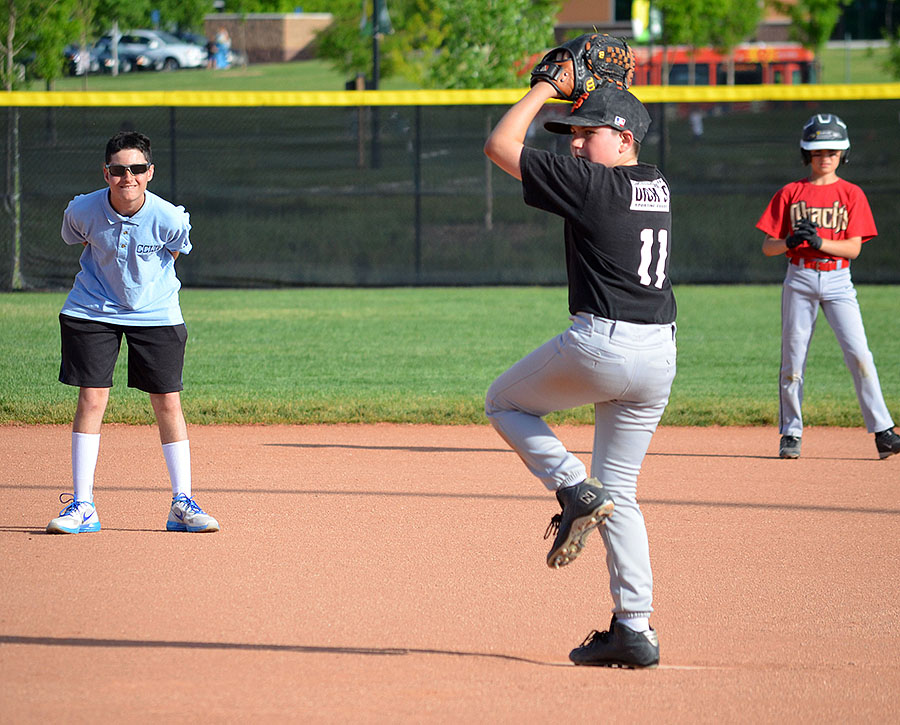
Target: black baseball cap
[606,106]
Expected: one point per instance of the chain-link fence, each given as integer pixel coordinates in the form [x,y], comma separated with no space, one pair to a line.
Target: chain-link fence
[404,195]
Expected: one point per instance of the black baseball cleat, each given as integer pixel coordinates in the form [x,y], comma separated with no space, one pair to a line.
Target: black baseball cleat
[584,508]
[790,447]
[887,442]
[621,646]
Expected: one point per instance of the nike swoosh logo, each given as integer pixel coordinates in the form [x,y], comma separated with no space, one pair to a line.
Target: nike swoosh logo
[86,516]
[179,515]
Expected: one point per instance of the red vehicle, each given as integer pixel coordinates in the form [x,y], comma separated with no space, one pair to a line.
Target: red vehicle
[781,63]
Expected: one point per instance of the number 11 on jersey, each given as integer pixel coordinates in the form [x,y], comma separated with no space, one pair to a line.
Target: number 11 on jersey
[647,257]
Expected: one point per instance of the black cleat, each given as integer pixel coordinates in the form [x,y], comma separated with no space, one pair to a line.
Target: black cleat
[790,447]
[621,646]
[887,442]
[584,508]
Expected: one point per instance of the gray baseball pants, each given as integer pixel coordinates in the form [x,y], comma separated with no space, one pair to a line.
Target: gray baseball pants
[805,290]
[625,370]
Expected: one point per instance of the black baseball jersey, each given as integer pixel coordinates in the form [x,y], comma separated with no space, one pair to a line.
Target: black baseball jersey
[618,233]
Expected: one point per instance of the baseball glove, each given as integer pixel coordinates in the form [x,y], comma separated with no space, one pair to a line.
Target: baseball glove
[582,64]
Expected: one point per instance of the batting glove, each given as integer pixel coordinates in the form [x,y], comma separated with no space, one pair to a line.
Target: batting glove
[805,231]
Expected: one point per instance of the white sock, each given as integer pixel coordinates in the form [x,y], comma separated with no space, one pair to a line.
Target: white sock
[638,624]
[178,461]
[85,451]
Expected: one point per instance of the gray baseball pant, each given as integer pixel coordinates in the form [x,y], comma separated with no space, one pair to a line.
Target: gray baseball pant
[805,290]
[625,370]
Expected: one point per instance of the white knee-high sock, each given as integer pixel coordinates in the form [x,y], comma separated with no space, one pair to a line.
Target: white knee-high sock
[85,451]
[178,461]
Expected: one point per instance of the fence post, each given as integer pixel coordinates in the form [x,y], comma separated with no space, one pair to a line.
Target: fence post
[14,195]
[360,124]
[488,182]
[173,179]
[417,182]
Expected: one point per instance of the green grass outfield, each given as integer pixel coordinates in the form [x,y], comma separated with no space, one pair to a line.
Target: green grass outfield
[427,355]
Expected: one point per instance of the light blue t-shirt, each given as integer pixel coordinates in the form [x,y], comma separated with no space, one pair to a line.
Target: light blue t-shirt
[127,272]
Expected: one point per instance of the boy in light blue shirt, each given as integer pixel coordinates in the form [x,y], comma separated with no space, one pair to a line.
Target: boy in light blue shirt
[126,287]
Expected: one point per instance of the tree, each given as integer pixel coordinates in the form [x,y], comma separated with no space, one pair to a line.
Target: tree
[343,43]
[892,63]
[486,42]
[812,22]
[443,43]
[179,15]
[722,24]
[269,6]
[347,43]
[48,40]
[731,23]
[412,47]
[19,20]
[92,18]
[683,24]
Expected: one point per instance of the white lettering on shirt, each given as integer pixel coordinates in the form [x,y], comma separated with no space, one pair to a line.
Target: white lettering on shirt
[649,195]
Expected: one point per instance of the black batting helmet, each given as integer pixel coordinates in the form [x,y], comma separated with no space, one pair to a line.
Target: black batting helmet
[824,131]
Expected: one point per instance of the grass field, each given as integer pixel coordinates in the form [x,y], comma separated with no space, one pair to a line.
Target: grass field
[420,355]
[838,66]
[308,75]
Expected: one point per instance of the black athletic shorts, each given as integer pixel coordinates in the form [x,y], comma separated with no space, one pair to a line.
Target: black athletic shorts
[90,350]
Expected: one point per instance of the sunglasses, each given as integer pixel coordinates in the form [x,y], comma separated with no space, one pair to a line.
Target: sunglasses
[119,169]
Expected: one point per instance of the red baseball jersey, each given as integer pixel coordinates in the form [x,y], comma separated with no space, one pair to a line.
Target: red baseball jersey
[839,210]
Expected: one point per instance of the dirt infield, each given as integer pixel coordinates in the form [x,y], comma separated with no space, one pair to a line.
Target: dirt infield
[395,573]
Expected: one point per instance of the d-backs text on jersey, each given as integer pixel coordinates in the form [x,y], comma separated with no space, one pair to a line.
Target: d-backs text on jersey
[835,217]
[649,195]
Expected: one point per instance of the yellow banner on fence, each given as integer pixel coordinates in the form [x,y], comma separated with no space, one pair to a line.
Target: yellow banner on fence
[499,97]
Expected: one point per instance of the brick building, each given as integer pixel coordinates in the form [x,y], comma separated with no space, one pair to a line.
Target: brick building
[269,37]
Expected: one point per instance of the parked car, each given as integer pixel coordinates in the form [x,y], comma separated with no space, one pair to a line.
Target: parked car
[128,60]
[199,40]
[102,58]
[78,64]
[158,50]
[99,59]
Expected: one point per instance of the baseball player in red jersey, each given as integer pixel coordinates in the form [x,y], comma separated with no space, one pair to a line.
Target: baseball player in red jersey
[821,223]
[618,355]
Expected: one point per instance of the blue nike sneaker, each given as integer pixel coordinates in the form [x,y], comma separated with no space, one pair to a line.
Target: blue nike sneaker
[186,515]
[78,517]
